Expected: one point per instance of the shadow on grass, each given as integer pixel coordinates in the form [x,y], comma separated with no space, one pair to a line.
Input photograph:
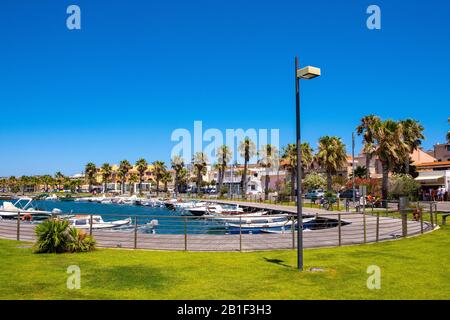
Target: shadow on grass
[278,262]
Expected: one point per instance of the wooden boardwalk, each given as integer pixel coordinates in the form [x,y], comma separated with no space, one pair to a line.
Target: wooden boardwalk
[358,229]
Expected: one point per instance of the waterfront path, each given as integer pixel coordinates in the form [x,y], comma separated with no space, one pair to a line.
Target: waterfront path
[355,228]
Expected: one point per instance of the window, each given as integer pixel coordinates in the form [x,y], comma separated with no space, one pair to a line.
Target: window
[448,147]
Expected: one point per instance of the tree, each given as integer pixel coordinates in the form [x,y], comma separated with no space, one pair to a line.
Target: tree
[46,180]
[247,150]
[90,172]
[290,161]
[448,133]
[59,179]
[390,149]
[361,172]
[268,159]
[159,168]
[177,164]
[314,181]
[412,137]
[331,156]
[106,174]
[141,167]
[224,155]
[402,185]
[200,161]
[133,179]
[124,168]
[23,182]
[367,127]
[165,179]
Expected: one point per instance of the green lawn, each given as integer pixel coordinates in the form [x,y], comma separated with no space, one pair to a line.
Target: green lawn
[415,268]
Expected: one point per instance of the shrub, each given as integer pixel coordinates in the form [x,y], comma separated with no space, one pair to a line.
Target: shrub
[314,181]
[402,185]
[56,236]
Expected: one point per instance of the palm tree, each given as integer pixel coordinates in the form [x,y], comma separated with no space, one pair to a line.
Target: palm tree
[12,184]
[412,137]
[106,174]
[23,182]
[141,167]
[90,172]
[331,156]
[46,180]
[268,159]
[133,179]
[247,150]
[290,160]
[390,149]
[124,168]
[200,161]
[159,168]
[59,179]
[366,128]
[177,164]
[448,133]
[224,155]
[166,178]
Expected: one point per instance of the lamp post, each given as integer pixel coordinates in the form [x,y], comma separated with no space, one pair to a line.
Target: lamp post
[353,168]
[306,73]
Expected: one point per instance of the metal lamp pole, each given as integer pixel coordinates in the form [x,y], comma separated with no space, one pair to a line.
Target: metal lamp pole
[304,73]
[299,172]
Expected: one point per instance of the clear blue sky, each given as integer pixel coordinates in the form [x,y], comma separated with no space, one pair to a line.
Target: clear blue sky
[140,69]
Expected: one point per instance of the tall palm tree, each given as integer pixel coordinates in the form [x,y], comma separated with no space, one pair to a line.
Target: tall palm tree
[290,161]
[141,167]
[268,159]
[59,179]
[247,150]
[448,133]
[90,172]
[390,149]
[366,128]
[200,161]
[23,182]
[159,167]
[177,164]
[132,180]
[12,184]
[331,156]
[165,179]
[46,180]
[124,168]
[224,155]
[106,174]
[412,137]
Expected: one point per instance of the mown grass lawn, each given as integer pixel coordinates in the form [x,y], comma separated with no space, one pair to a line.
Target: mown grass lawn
[415,268]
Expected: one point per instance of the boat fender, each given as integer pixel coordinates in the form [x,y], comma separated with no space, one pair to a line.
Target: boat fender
[27,217]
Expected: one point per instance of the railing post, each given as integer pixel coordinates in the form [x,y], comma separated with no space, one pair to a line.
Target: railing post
[90,225]
[240,233]
[364,221]
[431,215]
[378,227]
[421,219]
[18,226]
[135,231]
[185,234]
[339,229]
[293,232]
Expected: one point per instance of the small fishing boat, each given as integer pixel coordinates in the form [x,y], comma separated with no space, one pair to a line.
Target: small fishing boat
[84,222]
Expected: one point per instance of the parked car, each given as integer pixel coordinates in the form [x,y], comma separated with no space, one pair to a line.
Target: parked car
[348,194]
[315,194]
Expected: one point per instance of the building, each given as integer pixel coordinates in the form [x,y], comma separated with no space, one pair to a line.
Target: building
[442,152]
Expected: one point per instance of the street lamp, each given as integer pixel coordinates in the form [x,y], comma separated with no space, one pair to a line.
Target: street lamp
[305,73]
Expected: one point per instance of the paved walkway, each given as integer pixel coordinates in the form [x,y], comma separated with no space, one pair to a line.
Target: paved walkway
[356,229]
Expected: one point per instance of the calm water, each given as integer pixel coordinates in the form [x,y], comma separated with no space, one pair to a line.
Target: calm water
[169,222]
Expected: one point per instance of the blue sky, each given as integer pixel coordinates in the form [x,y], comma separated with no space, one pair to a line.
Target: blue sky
[137,70]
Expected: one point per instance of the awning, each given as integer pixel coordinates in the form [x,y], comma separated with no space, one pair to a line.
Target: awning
[428,178]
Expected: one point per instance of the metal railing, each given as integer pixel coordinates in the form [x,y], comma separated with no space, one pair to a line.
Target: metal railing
[182,232]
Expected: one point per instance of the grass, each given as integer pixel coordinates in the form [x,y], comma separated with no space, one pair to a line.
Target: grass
[414,268]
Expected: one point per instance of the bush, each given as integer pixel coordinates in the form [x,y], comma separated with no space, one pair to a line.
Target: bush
[314,181]
[402,185]
[56,236]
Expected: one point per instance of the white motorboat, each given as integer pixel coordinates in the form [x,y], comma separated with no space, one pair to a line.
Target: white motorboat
[24,207]
[52,197]
[213,209]
[84,222]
